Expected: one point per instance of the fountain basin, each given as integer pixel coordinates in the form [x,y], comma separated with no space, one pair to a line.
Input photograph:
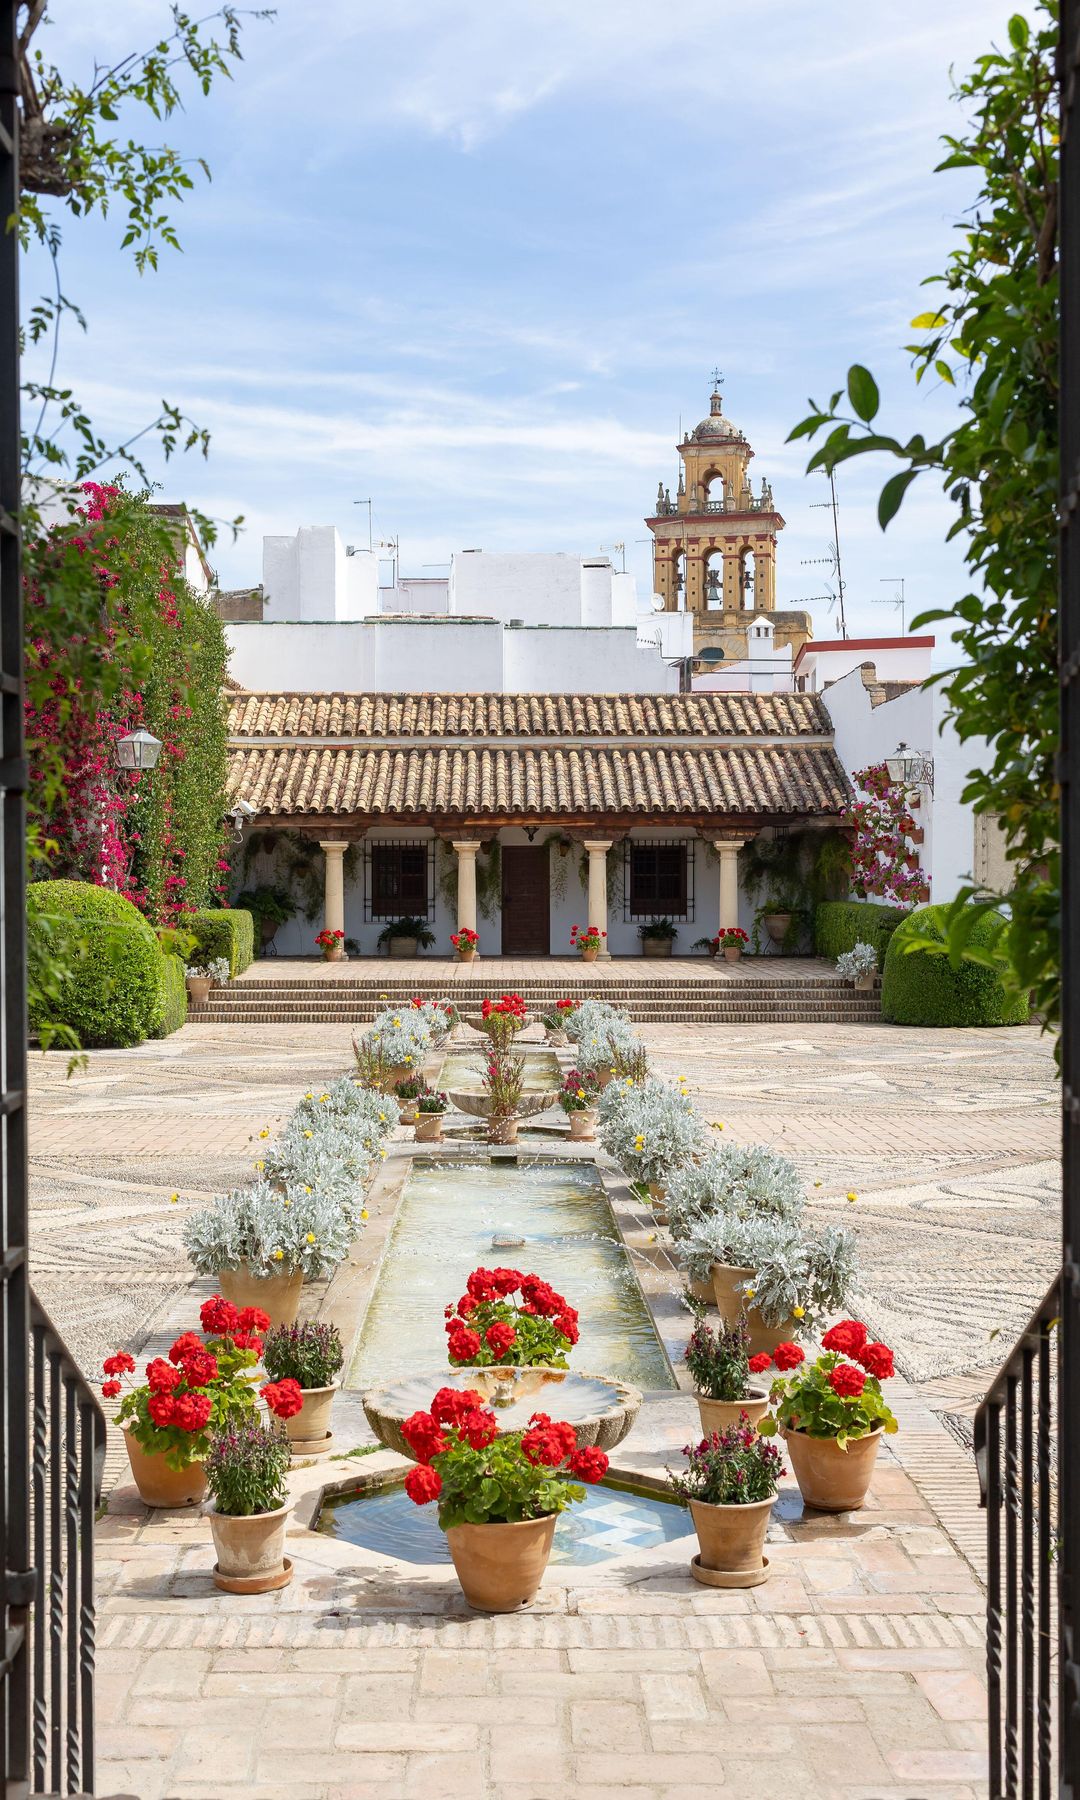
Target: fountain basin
[478,1106]
[601,1409]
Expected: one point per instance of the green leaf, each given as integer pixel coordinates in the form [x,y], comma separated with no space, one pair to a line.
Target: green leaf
[892,495]
[928,321]
[863,392]
[1018,32]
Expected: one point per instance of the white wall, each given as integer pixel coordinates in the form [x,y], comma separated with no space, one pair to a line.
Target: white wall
[442,656]
[558,660]
[309,576]
[302,658]
[673,631]
[818,665]
[537,589]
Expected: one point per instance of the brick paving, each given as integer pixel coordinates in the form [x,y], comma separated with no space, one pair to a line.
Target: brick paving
[855,1673]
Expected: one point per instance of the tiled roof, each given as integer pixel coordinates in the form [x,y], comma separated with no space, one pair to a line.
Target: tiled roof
[397,716]
[502,782]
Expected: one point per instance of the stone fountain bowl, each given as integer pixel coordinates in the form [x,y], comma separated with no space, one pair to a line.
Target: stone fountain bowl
[478,1106]
[601,1409]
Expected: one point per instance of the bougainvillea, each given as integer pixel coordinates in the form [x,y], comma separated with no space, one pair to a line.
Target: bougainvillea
[883,855]
[156,837]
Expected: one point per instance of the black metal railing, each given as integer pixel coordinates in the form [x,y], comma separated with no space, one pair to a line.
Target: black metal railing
[1015,1439]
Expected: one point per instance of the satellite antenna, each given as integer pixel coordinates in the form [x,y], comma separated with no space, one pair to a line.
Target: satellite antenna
[896,598]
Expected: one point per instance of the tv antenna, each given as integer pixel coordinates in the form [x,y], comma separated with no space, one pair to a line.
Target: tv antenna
[837,575]
[896,598]
[366,503]
[618,550]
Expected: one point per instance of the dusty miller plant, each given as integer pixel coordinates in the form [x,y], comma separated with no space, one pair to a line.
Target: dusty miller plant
[654,1132]
[269,1232]
[740,1181]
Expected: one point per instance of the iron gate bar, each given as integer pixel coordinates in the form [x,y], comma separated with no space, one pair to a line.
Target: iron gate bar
[1068,1419]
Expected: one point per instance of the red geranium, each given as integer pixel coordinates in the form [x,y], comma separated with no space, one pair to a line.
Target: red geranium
[284,1398]
[248,1340]
[423,1484]
[877,1360]
[199,1367]
[847,1381]
[191,1411]
[537,1329]
[847,1338]
[788,1356]
[479,1428]
[759,1363]
[110,1389]
[478,1474]
[451,1404]
[506,1281]
[184,1345]
[422,1434]
[161,1377]
[499,1338]
[120,1364]
[161,1408]
[219,1317]
[463,1344]
[548,1443]
[588,1464]
[252,1318]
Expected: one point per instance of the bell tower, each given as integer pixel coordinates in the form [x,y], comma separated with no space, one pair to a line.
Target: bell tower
[714,545]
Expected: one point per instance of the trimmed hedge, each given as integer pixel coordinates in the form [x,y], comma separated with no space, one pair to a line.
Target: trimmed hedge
[922,988]
[225,931]
[111,989]
[173,1012]
[841,924]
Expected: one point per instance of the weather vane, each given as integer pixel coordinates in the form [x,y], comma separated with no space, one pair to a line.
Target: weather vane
[717,380]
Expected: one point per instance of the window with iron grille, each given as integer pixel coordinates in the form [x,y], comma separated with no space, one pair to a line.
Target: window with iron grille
[399,881]
[659,880]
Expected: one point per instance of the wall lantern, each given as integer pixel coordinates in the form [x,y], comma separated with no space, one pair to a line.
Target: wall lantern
[911,768]
[138,750]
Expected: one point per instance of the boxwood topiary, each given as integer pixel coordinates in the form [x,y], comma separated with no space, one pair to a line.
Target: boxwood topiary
[225,931]
[841,924]
[173,996]
[110,991]
[920,987]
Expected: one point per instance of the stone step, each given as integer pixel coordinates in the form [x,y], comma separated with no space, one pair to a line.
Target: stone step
[771,1009]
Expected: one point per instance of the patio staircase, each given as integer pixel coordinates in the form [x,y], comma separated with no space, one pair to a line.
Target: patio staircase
[797,1000]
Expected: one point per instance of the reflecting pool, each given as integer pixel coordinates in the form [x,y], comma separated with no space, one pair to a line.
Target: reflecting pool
[448,1214]
[463,1069]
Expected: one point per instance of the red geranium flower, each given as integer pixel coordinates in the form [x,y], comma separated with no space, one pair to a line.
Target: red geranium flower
[877,1359]
[110,1389]
[191,1411]
[506,1281]
[248,1340]
[184,1345]
[252,1318]
[451,1404]
[199,1368]
[847,1381]
[568,1327]
[588,1464]
[423,1436]
[847,1338]
[788,1356]
[548,1444]
[161,1377]
[499,1338]
[219,1317]
[463,1345]
[161,1409]
[423,1484]
[120,1364]
[479,1429]
[465,1305]
[759,1363]
[284,1398]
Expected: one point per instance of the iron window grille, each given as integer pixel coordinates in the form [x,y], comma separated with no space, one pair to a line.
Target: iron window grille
[399,879]
[658,878]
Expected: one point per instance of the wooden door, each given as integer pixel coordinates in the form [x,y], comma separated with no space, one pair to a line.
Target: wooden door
[526,885]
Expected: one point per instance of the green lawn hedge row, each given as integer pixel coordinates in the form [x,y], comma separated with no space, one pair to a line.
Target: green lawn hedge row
[110,991]
[173,996]
[922,988]
[222,931]
[841,924]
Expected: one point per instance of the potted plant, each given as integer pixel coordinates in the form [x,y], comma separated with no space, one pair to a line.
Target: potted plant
[271,906]
[311,1355]
[711,946]
[502,1019]
[504,1084]
[498,1497]
[489,1327]
[167,1417]
[577,1097]
[657,937]
[833,1415]
[408,1094]
[732,941]
[429,1117]
[720,1365]
[466,943]
[406,936]
[859,964]
[331,944]
[201,977]
[587,941]
[554,1023]
[245,1472]
[260,1243]
[730,1484]
[397,1043]
[652,1133]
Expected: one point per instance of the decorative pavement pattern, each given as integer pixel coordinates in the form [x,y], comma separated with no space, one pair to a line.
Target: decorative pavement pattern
[854,1673]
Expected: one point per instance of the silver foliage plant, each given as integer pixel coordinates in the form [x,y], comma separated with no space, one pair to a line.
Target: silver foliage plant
[593,1016]
[654,1130]
[861,959]
[269,1231]
[736,1179]
[399,1035]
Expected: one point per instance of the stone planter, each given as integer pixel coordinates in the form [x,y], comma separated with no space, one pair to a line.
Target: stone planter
[719,1415]
[503,1131]
[831,1479]
[583,1125]
[777,925]
[731,1541]
[601,1409]
[732,952]
[731,1306]
[656,946]
[159,1485]
[277,1295]
[500,1567]
[864,983]
[251,1551]
[308,1431]
[400,947]
[589,955]
[428,1128]
[198,987]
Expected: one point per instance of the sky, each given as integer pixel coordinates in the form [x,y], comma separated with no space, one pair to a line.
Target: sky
[477,261]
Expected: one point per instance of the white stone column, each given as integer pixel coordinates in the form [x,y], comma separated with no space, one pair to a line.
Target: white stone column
[597,849]
[334,890]
[466,883]
[727,849]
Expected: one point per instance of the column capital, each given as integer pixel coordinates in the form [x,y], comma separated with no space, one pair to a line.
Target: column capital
[598,845]
[334,844]
[721,841]
[466,846]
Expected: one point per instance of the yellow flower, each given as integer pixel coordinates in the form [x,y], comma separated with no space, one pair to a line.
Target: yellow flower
[382,1118]
[323,1097]
[286,1203]
[384,996]
[395,1021]
[581,1093]
[279,1256]
[309,1096]
[798,1312]
[307,1190]
[853,1196]
[382,1153]
[750,1292]
[265,1132]
[173,1198]
[717,1124]
[311,1237]
[309,1134]
[817,1184]
[260,1165]
[364,1214]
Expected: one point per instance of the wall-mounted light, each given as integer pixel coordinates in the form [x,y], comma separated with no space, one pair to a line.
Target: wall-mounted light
[911,768]
[138,750]
[531,831]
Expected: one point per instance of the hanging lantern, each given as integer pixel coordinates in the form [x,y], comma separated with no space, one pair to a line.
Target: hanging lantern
[910,768]
[138,750]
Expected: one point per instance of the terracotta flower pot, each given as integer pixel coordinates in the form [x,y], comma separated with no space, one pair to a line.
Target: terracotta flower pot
[583,1125]
[278,1295]
[250,1551]
[731,1306]
[428,1128]
[656,946]
[468,954]
[831,1479]
[701,1290]
[500,1567]
[589,955]
[503,1131]
[159,1485]
[310,1427]
[732,1538]
[777,925]
[407,1112]
[198,987]
[604,1074]
[334,953]
[732,952]
[717,1415]
[397,1072]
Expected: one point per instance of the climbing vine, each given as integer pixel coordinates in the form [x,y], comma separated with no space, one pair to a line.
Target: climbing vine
[883,862]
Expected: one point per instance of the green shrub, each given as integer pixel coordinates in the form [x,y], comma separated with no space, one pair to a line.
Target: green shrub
[922,988]
[221,931]
[173,996]
[105,962]
[841,924]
